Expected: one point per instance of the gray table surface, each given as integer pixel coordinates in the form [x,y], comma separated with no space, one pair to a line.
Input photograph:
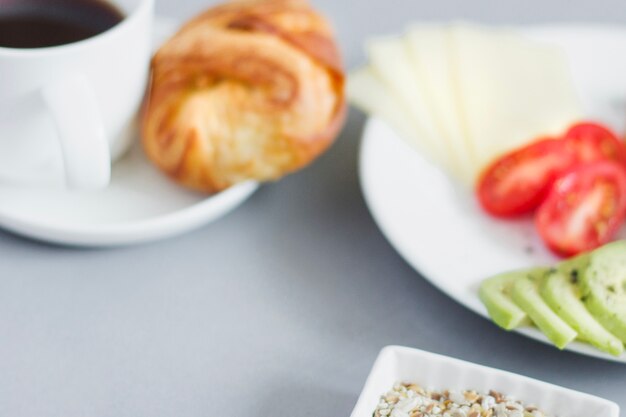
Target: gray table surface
[278,309]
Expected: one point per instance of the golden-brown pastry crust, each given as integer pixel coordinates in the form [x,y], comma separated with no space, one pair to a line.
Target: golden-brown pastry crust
[252,89]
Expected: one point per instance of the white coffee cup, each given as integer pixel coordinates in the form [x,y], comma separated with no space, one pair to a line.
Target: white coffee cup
[68,111]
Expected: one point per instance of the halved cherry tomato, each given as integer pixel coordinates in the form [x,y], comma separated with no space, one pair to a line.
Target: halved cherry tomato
[594,142]
[519,181]
[584,209]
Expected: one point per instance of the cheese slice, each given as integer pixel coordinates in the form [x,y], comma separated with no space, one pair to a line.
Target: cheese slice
[367,91]
[429,50]
[390,60]
[512,90]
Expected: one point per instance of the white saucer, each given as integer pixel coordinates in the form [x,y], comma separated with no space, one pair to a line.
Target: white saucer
[140,205]
[438,227]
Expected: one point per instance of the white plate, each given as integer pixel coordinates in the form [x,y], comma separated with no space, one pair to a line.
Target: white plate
[140,205]
[438,228]
[401,364]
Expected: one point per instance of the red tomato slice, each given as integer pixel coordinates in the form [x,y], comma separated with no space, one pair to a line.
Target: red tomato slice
[584,209]
[594,142]
[519,181]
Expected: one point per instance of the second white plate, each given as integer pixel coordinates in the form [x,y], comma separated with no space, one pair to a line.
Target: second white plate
[437,226]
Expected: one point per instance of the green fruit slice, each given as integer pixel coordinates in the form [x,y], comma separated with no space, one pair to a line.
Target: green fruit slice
[603,285]
[563,296]
[525,293]
[494,293]
[573,268]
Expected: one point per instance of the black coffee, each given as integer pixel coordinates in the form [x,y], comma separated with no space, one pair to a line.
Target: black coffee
[41,23]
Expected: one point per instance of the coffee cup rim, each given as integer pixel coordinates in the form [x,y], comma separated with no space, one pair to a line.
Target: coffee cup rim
[143,7]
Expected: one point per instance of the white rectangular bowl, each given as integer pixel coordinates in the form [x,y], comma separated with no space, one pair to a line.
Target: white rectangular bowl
[401,364]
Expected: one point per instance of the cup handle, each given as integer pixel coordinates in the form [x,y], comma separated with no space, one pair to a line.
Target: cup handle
[84,146]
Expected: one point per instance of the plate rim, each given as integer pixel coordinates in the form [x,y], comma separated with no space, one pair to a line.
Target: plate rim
[100,235]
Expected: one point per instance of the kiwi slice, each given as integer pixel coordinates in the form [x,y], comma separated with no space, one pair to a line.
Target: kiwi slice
[603,285]
[495,295]
[561,293]
[525,293]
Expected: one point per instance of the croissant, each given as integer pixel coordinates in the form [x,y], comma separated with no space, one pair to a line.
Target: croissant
[248,90]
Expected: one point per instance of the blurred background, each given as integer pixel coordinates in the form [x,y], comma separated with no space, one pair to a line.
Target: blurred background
[354,21]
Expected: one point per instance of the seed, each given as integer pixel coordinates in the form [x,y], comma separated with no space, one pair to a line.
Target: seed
[488,402]
[458,413]
[471,396]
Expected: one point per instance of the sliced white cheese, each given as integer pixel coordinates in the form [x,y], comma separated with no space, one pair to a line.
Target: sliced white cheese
[429,49]
[367,91]
[390,60]
[512,90]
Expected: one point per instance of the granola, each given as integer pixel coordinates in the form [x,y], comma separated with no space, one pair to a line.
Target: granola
[411,400]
